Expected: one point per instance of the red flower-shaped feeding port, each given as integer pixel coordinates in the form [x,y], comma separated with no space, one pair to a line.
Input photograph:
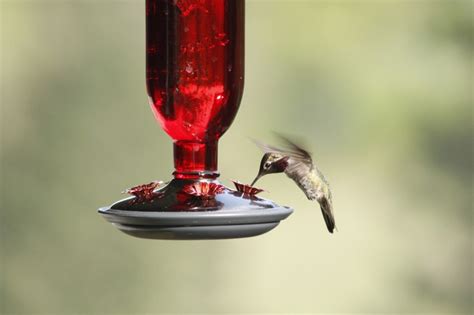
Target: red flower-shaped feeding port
[203,190]
[144,193]
[246,189]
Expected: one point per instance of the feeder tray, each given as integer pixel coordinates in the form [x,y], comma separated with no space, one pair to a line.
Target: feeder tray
[229,214]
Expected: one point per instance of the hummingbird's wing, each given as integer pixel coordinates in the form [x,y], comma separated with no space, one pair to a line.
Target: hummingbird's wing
[294,151]
[303,153]
[302,160]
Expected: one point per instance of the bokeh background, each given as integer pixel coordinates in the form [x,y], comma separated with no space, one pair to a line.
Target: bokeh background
[381,93]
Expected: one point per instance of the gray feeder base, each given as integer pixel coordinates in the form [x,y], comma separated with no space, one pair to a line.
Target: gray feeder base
[229,215]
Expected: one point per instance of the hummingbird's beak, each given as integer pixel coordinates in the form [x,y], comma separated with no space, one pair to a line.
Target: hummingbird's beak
[256,178]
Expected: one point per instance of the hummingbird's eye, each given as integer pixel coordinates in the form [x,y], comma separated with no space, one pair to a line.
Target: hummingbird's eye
[267,165]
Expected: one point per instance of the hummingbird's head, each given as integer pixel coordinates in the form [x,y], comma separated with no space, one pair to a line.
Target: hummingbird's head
[271,163]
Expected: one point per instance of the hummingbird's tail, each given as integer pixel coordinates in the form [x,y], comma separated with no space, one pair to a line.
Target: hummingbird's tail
[328,216]
[329,219]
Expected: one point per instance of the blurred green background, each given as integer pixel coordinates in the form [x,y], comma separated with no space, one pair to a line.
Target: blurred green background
[381,91]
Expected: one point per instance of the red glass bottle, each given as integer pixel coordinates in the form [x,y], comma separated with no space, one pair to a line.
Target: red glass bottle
[195,75]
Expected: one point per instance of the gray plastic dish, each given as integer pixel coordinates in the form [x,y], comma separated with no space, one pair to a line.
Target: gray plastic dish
[229,214]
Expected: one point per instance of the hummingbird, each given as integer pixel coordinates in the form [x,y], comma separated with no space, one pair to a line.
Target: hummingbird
[298,165]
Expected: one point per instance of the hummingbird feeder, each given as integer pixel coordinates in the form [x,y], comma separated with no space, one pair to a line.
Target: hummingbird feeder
[195,80]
